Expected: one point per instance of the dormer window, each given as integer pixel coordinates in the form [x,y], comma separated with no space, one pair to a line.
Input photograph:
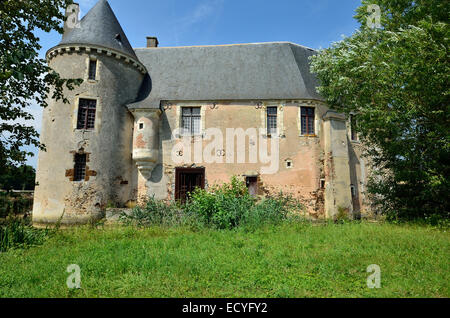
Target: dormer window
[92,69]
[118,37]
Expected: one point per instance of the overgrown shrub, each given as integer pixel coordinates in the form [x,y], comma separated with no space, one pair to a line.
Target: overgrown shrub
[223,206]
[17,234]
[272,210]
[14,204]
[156,212]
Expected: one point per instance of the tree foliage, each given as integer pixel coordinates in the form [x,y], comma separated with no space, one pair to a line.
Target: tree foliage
[18,178]
[396,80]
[25,79]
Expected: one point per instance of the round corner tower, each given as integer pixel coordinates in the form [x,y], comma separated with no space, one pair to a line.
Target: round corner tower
[88,161]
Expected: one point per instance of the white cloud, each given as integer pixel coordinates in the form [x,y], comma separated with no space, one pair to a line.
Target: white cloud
[200,13]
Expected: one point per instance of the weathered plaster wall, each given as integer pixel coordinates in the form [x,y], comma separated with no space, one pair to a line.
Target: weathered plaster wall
[302,179]
[109,145]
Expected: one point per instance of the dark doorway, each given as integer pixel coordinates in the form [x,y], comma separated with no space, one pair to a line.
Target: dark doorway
[186,180]
[252,185]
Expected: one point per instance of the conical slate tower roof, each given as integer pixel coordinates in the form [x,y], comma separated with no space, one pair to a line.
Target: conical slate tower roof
[100,27]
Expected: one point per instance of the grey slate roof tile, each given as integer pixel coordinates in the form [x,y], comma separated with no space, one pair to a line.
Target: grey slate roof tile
[100,27]
[258,71]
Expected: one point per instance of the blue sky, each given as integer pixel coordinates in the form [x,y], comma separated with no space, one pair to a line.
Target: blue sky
[312,23]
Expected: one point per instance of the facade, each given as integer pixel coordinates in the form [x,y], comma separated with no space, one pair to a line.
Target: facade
[161,121]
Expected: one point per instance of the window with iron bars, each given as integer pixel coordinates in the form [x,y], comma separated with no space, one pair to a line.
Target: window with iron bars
[80,167]
[307,121]
[271,120]
[92,69]
[86,114]
[191,120]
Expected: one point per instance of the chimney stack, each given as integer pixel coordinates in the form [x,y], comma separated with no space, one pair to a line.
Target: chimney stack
[152,41]
[72,17]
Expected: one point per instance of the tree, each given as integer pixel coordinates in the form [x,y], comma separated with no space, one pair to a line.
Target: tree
[18,178]
[24,77]
[396,80]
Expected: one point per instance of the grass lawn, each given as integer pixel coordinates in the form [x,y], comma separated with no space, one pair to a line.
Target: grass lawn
[290,260]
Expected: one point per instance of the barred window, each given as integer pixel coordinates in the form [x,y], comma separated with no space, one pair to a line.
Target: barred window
[307,120]
[191,119]
[92,69]
[353,133]
[86,114]
[271,120]
[80,167]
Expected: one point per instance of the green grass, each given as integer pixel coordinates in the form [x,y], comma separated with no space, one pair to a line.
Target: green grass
[289,260]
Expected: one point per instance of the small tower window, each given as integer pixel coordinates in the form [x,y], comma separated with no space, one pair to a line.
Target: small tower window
[80,167]
[272,120]
[141,126]
[353,133]
[86,114]
[307,120]
[92,69]
[322,183]
[353,190]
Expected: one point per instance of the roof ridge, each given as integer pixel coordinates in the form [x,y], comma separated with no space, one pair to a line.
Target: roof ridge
[222,45]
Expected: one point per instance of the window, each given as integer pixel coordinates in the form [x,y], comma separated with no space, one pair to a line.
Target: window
[307,120]
[252,185]
[322,183]
[353,190]
[92,69]
[80,167]
[191,120]
[289,163]
[272,120]
[187,180]
[141,126]
[86,114]
[353,132]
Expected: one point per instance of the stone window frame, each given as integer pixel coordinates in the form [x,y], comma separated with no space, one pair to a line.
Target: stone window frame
[289,163]
[98,113]
[316,120]
[79,172]
[179,113]
[89,58]
[281,132]
[88,173]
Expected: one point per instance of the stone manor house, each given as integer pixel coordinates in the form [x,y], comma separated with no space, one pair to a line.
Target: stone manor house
[135,126]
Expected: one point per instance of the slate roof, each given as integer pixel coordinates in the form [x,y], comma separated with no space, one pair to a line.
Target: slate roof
[258,71]
[100,27]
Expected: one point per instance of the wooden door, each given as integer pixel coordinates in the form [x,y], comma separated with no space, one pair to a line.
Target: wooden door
[186,180]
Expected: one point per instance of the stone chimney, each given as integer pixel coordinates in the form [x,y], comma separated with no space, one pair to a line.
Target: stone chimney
[72,17]
[152,41]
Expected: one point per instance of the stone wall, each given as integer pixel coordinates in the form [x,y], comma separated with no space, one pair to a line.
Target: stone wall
[110,169]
